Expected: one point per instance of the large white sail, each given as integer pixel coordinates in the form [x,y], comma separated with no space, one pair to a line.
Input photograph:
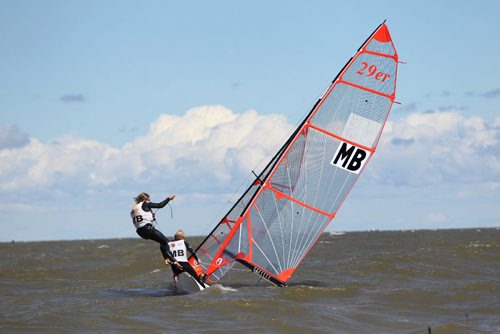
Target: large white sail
[282,214]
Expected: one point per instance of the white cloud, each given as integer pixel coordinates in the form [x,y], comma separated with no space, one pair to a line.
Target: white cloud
[208,147]
[432,148]
[40,164]
[209,143]
[207,152]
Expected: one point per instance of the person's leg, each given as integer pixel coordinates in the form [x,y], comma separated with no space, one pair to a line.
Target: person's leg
[163,240]
[187,267]
[158,236]
[175,274]
[165,251]
[145,232]
[148,232]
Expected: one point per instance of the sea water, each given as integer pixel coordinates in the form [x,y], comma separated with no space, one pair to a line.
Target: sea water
[443,281]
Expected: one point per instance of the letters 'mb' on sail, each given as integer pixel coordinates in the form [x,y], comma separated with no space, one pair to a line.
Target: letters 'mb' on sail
[282,214]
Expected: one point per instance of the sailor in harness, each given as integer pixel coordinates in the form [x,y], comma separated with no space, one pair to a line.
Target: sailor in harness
[179,249]
[143,218]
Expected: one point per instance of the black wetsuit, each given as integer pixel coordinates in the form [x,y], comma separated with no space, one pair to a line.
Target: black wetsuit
[186,266]
[149,232]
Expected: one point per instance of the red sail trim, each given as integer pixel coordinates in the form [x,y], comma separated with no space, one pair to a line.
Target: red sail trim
[202,251]
[265,271]
[366,148]
[224,221]
[280,194]
[395,57]
[285,275]
[383,126]
[382,35]
[213,265]
[346,68]
[277,185]
[391,97]
[256,182]
[394,89]
[249,227]
[216,239]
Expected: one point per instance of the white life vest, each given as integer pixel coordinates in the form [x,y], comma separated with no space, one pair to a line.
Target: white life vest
[140,217]
[178,249]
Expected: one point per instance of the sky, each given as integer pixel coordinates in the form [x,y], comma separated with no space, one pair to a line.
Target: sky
[102,100]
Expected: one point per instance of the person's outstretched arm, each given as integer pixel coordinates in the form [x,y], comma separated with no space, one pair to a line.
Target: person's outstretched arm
[147,206]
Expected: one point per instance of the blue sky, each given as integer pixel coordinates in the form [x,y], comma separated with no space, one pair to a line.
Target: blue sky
[90,92]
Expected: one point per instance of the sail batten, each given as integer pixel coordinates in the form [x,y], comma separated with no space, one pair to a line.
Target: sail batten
[282,214]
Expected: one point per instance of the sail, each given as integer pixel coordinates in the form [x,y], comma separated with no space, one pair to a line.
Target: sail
[284,211]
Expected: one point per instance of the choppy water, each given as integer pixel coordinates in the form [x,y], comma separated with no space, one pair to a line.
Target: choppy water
[366,282]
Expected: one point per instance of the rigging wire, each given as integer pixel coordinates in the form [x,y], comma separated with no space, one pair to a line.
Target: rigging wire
[171,211]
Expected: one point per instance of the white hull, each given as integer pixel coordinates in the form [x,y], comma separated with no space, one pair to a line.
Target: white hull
[186,283]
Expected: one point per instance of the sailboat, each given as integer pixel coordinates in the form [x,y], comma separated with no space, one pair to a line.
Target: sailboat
[287,207]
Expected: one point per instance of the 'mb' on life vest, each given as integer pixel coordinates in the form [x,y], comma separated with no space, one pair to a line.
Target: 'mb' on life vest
[178,249]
